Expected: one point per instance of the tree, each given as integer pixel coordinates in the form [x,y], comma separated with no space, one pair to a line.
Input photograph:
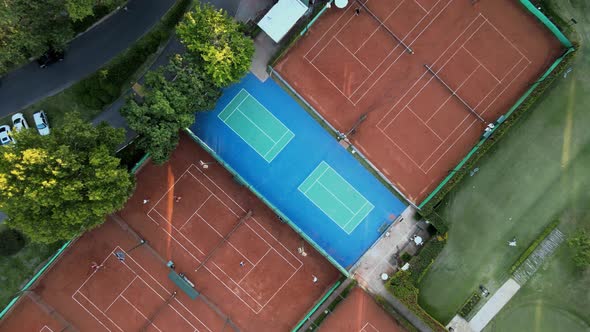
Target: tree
[580,243]
[174,94]
[55,187]
[79,9]
[29,28]
[216,38]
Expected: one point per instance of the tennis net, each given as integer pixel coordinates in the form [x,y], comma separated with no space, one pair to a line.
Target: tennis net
[399,40]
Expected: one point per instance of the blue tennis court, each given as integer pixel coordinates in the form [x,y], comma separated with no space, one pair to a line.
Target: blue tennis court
[285,155]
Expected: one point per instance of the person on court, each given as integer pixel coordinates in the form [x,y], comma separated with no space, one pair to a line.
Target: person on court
[357,11]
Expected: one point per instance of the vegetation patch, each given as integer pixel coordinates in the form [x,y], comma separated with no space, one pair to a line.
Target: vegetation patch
[468,306]
[11,242]
[420,263]
[534,245]
[401,286]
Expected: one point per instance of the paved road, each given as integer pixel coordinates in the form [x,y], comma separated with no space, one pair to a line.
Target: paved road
[84,56]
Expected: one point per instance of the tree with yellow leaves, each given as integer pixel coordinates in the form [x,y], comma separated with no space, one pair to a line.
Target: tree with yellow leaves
[57,186]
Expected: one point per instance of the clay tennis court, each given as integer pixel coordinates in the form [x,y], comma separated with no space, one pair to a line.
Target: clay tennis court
[247,267]
[425,77]
[358,312]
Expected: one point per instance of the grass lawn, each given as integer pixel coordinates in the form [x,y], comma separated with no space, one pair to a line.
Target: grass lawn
[20,267]
[534,173]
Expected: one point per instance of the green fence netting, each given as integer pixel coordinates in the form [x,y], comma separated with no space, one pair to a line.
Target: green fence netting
[547,22]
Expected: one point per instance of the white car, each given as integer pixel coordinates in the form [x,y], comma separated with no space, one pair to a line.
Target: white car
[41,123]
[5,135]
[19,122]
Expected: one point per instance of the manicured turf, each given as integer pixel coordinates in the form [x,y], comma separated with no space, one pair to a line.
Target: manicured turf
[533,173]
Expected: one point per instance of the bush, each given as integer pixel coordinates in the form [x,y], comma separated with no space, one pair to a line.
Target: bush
[402,287]
[406,257]
[11,242]
[419,264]
[399,318]
[105,86]
[534,245]
[468,306]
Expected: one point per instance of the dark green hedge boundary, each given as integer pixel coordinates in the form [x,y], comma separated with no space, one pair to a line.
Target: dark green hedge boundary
[428,208]
[548,229]
[468,306]
[106,84]
[420,264]
[402,287]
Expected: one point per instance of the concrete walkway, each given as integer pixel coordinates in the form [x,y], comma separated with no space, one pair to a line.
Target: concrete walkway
[494,305]
[379,259]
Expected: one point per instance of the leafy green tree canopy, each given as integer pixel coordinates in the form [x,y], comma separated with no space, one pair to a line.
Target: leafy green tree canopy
[580,243]
[215,37]
[55,187]
[174,94]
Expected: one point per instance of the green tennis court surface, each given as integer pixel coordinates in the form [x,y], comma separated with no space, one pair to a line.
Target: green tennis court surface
[256,125]
[335,197]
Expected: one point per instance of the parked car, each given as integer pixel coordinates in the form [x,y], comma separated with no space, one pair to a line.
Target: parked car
[41,123]
[50,57]
[19,122]
[5,135]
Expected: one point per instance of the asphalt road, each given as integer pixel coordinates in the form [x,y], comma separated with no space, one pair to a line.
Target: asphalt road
[84,55]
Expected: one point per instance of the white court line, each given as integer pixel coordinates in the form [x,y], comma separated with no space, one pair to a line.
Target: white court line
[481,64]
[243,211]
[336,197]
[235,108]
[426,11]
[423,122]
[387,57]
[285,128]
[196,211]
[97,308]
[91,314]
[121,293]
[457,89]
[365,327]
[179,232]
[141,313]
[45,328]
[508,40]
[425,72]
[257,126]
[491,103]
[330,81]
[409,45]
[254,265]
[379,26]
[316,180]
[357,59]
[137,276]
[247,225]
[335,34]
[354,215]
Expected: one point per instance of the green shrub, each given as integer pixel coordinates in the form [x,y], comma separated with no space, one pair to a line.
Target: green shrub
[420,263]
[406,257]
[468,306]
[105,85]
[399,318]
[402,287]
[11,242]
[548,229]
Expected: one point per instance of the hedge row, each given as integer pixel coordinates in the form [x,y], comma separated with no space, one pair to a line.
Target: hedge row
[428,208]
[419,264]
[318,321]
[11,242]
[468,306]
[534,245]
[402,287]
[105,85]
